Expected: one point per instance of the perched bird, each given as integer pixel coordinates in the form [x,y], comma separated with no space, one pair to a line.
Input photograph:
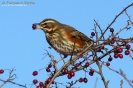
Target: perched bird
[63,38]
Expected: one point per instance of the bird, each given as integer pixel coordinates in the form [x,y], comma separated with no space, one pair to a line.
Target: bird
[65,39]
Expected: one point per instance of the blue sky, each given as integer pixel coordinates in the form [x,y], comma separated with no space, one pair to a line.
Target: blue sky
[23,48]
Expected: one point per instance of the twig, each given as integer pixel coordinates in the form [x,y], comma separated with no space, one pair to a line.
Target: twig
[129,17]
[114,20]
[121,83]
[96,82]
[101,74]
[10,80]
[122,74]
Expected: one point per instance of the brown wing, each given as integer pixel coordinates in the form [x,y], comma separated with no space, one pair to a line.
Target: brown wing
[75,36]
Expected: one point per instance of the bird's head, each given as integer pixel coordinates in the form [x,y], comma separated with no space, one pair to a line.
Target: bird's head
[47,25]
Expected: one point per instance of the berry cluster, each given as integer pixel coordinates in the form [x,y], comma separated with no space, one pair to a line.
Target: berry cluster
[85,80]
[41,84]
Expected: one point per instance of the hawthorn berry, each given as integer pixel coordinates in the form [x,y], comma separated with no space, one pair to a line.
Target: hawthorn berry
[77,64]
[48,80]
[48,69]
[35,81]
[69,76]
[110,59]
[107,64]
[91,73]
[87,64]
[81,80]
[65,71]
[1,71]
[85,80]
[72,73]
[112,41]
[41,84]
[119,50]
[91,70]
[52,82]
[50,65]
[112,30]
[116,55]
[35,73]
[127,46]
[34,26]
[120,55]
[38,86]
[127,52]
[92,34]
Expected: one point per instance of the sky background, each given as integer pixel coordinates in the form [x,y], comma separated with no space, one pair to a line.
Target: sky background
[22,48]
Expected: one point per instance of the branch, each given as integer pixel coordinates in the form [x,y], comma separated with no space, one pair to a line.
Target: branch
[115,20]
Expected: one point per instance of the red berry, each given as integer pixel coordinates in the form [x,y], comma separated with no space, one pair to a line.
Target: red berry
[119,50]
[38,87]
[81,80]
[116,55]
[1,71]
[111,29]
[91,70]
[77,64]
[48,69]
[127,52]
[35,81]
[48,80]
[85,80]
[35,73]
[91,73]
[52,82]
[87,64]
[107,64]
[110,59]
[127,46]
[34,26]
[41,84]
[65,71]
[69,76]
[120,55]
[112,41]
[92,34]
[72,73]
[50,65]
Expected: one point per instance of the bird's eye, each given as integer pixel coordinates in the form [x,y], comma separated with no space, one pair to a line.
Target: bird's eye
[45,23]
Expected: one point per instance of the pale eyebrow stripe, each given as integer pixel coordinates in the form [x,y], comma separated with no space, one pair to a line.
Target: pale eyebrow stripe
[49,21]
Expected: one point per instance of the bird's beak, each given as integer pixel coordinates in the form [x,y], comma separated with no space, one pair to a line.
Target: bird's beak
[36,26]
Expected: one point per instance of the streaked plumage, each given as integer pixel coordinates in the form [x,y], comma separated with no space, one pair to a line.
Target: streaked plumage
[64,38]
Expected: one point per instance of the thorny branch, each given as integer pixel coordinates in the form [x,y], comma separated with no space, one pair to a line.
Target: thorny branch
[10,80]
[114,20]
[122,74]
